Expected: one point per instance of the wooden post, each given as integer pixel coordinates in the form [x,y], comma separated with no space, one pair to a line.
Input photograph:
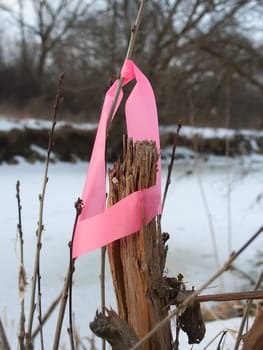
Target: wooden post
[137,261]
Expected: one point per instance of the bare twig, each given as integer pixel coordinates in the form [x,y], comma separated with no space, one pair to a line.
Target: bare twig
[129,54]
[40,307]
[47,315]
[246,312]
[22,275]
[67,289]
[170,166]
[221,334]
[192,297]
[61,314]
[102,288]
[36,273]
[227,167]
[3,339]
[200,182]
[78,207]
[256,294]
[209,217]
[243,274]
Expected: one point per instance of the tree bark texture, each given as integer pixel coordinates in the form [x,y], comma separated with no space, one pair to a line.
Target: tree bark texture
[137,261]
[253,340]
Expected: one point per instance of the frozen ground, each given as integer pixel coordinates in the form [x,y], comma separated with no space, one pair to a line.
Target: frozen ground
[217,196]
[7,124]
[191,250]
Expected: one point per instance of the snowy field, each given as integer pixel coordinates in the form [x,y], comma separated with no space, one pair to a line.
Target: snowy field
[225,198]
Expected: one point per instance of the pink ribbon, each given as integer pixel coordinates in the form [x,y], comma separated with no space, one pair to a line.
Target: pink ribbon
[97,225]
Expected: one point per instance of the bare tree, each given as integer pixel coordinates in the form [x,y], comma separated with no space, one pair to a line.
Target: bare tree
[50,23]
[183,45]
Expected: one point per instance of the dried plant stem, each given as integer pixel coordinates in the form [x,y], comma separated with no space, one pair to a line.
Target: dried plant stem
[71,328]
[22,281]
[67,289]
[246,311]
[129,53]
[256,294]
[47,314]
[200,182]
[102,287]
[40,307]
[170,166]
[192,297]
[3,339]
[227,168]
[209,217]
[36,272]
[220,334]
[61,314]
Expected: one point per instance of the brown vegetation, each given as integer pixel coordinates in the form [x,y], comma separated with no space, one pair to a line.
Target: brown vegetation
[71,144]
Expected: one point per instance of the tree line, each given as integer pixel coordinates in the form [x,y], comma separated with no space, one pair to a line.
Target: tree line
[204,58]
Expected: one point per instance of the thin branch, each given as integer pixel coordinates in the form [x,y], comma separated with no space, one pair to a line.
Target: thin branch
[40,307]
[220,334]
[129,54]
[67,288]
[36,274]
[78,207]
[200,182]
[170,166]
[22,275]
[102,287]
[256,294]
[3,339]
[192,297]
[61,314]
[47,315]
[227,166]
[243,274]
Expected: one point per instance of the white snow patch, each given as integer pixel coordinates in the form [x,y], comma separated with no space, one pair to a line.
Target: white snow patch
[7,124]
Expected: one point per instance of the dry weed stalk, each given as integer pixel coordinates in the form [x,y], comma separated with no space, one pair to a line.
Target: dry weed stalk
[36,273]
[67,290]
[3,339]
[170,166]
[22,273]
[222,335]
[227,166]
[47,315]
[200,183]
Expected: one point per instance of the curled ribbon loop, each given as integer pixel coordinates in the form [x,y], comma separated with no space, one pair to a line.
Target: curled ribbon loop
[97,225]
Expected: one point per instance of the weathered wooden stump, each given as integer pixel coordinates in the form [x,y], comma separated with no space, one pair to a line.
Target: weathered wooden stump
[137,261]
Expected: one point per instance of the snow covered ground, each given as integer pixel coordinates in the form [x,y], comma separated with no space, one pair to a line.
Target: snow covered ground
[219,196]
[7,124]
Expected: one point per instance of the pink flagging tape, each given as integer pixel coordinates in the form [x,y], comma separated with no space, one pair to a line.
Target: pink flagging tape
[97,225]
